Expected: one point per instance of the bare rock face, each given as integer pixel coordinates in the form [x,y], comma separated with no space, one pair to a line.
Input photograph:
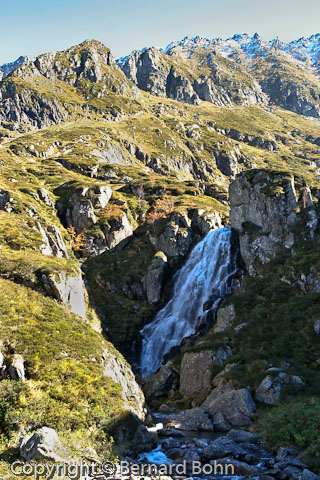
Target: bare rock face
[147,70]
[45,197]
[225,318]
[68,289]
[5,202]
[155,276]
[227,162]
[179,88]
[44,445]
[117,232]
[264,208]
[182,231]
[196,368]
[195,373]
[83,215]
[116,368]
[16,368]
[233,408]
[53,244]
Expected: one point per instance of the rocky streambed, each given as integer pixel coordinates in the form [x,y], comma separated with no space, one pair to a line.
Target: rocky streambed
[237,454]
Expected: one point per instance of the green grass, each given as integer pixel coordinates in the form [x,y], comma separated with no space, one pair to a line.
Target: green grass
[65,387]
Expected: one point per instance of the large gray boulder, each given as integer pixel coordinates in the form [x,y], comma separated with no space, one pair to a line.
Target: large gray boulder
[193,420]
[230,409]
[43,445]
[195,373]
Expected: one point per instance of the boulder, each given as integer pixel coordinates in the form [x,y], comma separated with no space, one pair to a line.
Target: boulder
[227,162]
[308,475]
[5,201]
[270,389]
[16,368]
[221,447]
[193,420]
[155,276]
[103,195]
[42,445]
[233,408]
[195,373]
[164,380]
[243,436]
[225,318]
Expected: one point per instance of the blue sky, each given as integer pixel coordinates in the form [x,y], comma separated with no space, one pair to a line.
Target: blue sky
[31,27]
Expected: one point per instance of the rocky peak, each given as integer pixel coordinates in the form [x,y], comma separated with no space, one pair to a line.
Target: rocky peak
[7,68]
[89,60]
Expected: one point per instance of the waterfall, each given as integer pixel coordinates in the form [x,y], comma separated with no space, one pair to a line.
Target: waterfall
[206,275]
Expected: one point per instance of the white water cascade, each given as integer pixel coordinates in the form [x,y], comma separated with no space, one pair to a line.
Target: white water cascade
[206,275]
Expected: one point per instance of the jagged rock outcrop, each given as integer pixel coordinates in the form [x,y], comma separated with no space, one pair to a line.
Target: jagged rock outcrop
[115,367]
[7,68]
[228,161]
[21,106]
[87,64]
[179,88]
[147,70]
[90,60]
[182,232]
[53,244]
[117,232]
[264,210]
[162,74]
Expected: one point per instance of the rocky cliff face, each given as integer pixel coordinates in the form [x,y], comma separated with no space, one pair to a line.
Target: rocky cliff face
[265,209]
